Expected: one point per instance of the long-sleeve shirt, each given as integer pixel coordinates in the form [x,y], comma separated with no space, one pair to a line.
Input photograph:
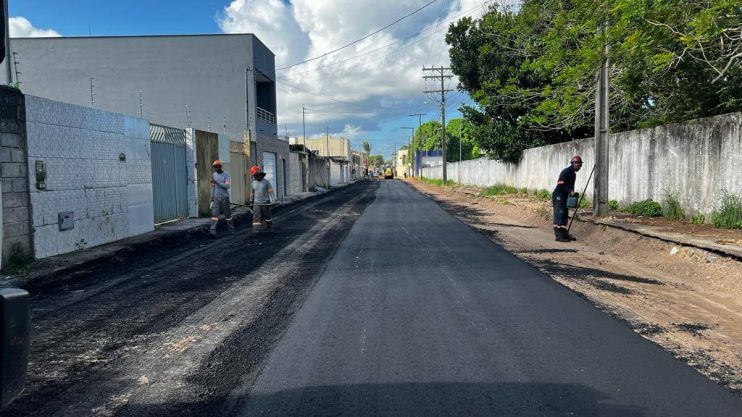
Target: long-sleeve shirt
[222,182]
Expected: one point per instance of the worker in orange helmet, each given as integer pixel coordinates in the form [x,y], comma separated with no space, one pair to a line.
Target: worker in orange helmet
[262,198]
[220,182]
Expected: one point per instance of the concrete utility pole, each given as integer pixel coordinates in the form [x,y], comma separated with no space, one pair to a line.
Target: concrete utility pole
[600,186]
[6,58]
[141,104]
[15,67]
[304,125]
[442,77]
[409,148]
[92,94]
[419,134]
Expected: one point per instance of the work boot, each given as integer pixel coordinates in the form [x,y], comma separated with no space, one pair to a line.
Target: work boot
[568,236]
[561,234]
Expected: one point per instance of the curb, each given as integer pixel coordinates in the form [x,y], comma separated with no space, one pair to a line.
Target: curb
[128,247]
[677,239]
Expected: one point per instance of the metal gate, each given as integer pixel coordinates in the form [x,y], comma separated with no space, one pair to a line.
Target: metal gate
[169,173]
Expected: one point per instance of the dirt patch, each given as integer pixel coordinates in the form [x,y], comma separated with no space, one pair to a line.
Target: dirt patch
[687,300]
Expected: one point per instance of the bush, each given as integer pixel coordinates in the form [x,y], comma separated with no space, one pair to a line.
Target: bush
[524,190]
[542,194]
[19,260]
[698,219]
[672,209]
[730,214]
[646,208]
[612,205]
[498,190]
[438,183]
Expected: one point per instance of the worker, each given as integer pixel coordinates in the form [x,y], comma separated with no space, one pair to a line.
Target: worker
[220,182]
[564,188]
[261,198]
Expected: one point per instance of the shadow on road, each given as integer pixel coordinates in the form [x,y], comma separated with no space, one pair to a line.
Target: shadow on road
[419,399]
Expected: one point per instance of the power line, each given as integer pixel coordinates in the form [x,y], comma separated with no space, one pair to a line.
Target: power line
[435,28]
[357,40]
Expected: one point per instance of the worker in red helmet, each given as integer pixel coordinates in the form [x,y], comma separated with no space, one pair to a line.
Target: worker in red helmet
[220,182]
[261,199]
[564,188]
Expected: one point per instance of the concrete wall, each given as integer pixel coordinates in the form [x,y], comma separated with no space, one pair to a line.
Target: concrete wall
[81,147]
[192,173]
[186,81]
[339,147]
[319,172]
[295,174]
[16,210]
[694,160]
[281,149]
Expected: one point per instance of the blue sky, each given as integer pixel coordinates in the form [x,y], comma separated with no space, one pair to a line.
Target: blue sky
[381,76]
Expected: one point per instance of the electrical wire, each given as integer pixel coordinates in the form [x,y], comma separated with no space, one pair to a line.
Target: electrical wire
[358,40]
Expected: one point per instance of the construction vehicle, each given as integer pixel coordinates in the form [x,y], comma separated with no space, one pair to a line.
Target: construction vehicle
[388,173]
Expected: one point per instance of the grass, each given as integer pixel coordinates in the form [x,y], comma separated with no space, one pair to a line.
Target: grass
[612,205]
[729,216]
[698,219]
[671,207]
[498,190]
[646,208]
[437,182]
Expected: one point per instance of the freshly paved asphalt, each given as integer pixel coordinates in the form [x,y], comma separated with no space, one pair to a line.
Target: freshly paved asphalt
[416,314]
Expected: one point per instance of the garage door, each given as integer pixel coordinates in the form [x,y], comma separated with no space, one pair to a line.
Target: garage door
[269,166]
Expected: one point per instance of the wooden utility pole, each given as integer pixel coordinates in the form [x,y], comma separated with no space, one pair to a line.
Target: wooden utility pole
[443,76]
[600,186]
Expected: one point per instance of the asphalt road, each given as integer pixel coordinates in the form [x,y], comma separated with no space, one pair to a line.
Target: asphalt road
[416,314]
[173,331]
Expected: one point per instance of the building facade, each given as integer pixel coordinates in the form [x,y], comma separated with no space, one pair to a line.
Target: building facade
[217,83]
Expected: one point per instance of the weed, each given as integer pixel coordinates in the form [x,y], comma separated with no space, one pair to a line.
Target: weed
[19,260]
[543,213]
[698,219]
[646,208]
[542,194]
[672,209]
[730,214]
[612,205]
[524,190]
[437,182]
[498,190]
[585,203]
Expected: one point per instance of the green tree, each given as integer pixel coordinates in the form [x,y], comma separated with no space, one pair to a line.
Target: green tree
[531,72]
[376,161]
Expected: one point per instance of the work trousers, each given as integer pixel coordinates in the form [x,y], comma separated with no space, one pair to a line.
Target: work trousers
[561,213]
[220,207]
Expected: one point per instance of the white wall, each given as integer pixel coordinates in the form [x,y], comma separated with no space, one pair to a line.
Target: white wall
[295,180]
[80,146]
[695,160]
[192,173]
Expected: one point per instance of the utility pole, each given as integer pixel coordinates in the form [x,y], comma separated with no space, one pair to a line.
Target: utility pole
[304,125]
[600,187]
[141,104]
[461,124]
[6,58]
[409,148]
[444,75]
[327,141]
[92,95]
[419,135]
[17,73]
[247,100]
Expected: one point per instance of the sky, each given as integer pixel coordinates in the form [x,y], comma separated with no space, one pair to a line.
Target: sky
[364,92]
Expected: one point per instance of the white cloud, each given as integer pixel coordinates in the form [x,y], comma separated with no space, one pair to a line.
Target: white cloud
[20,27]
[372,81]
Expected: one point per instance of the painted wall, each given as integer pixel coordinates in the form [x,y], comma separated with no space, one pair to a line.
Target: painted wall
[186,81]
[81,147]
[695,160]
